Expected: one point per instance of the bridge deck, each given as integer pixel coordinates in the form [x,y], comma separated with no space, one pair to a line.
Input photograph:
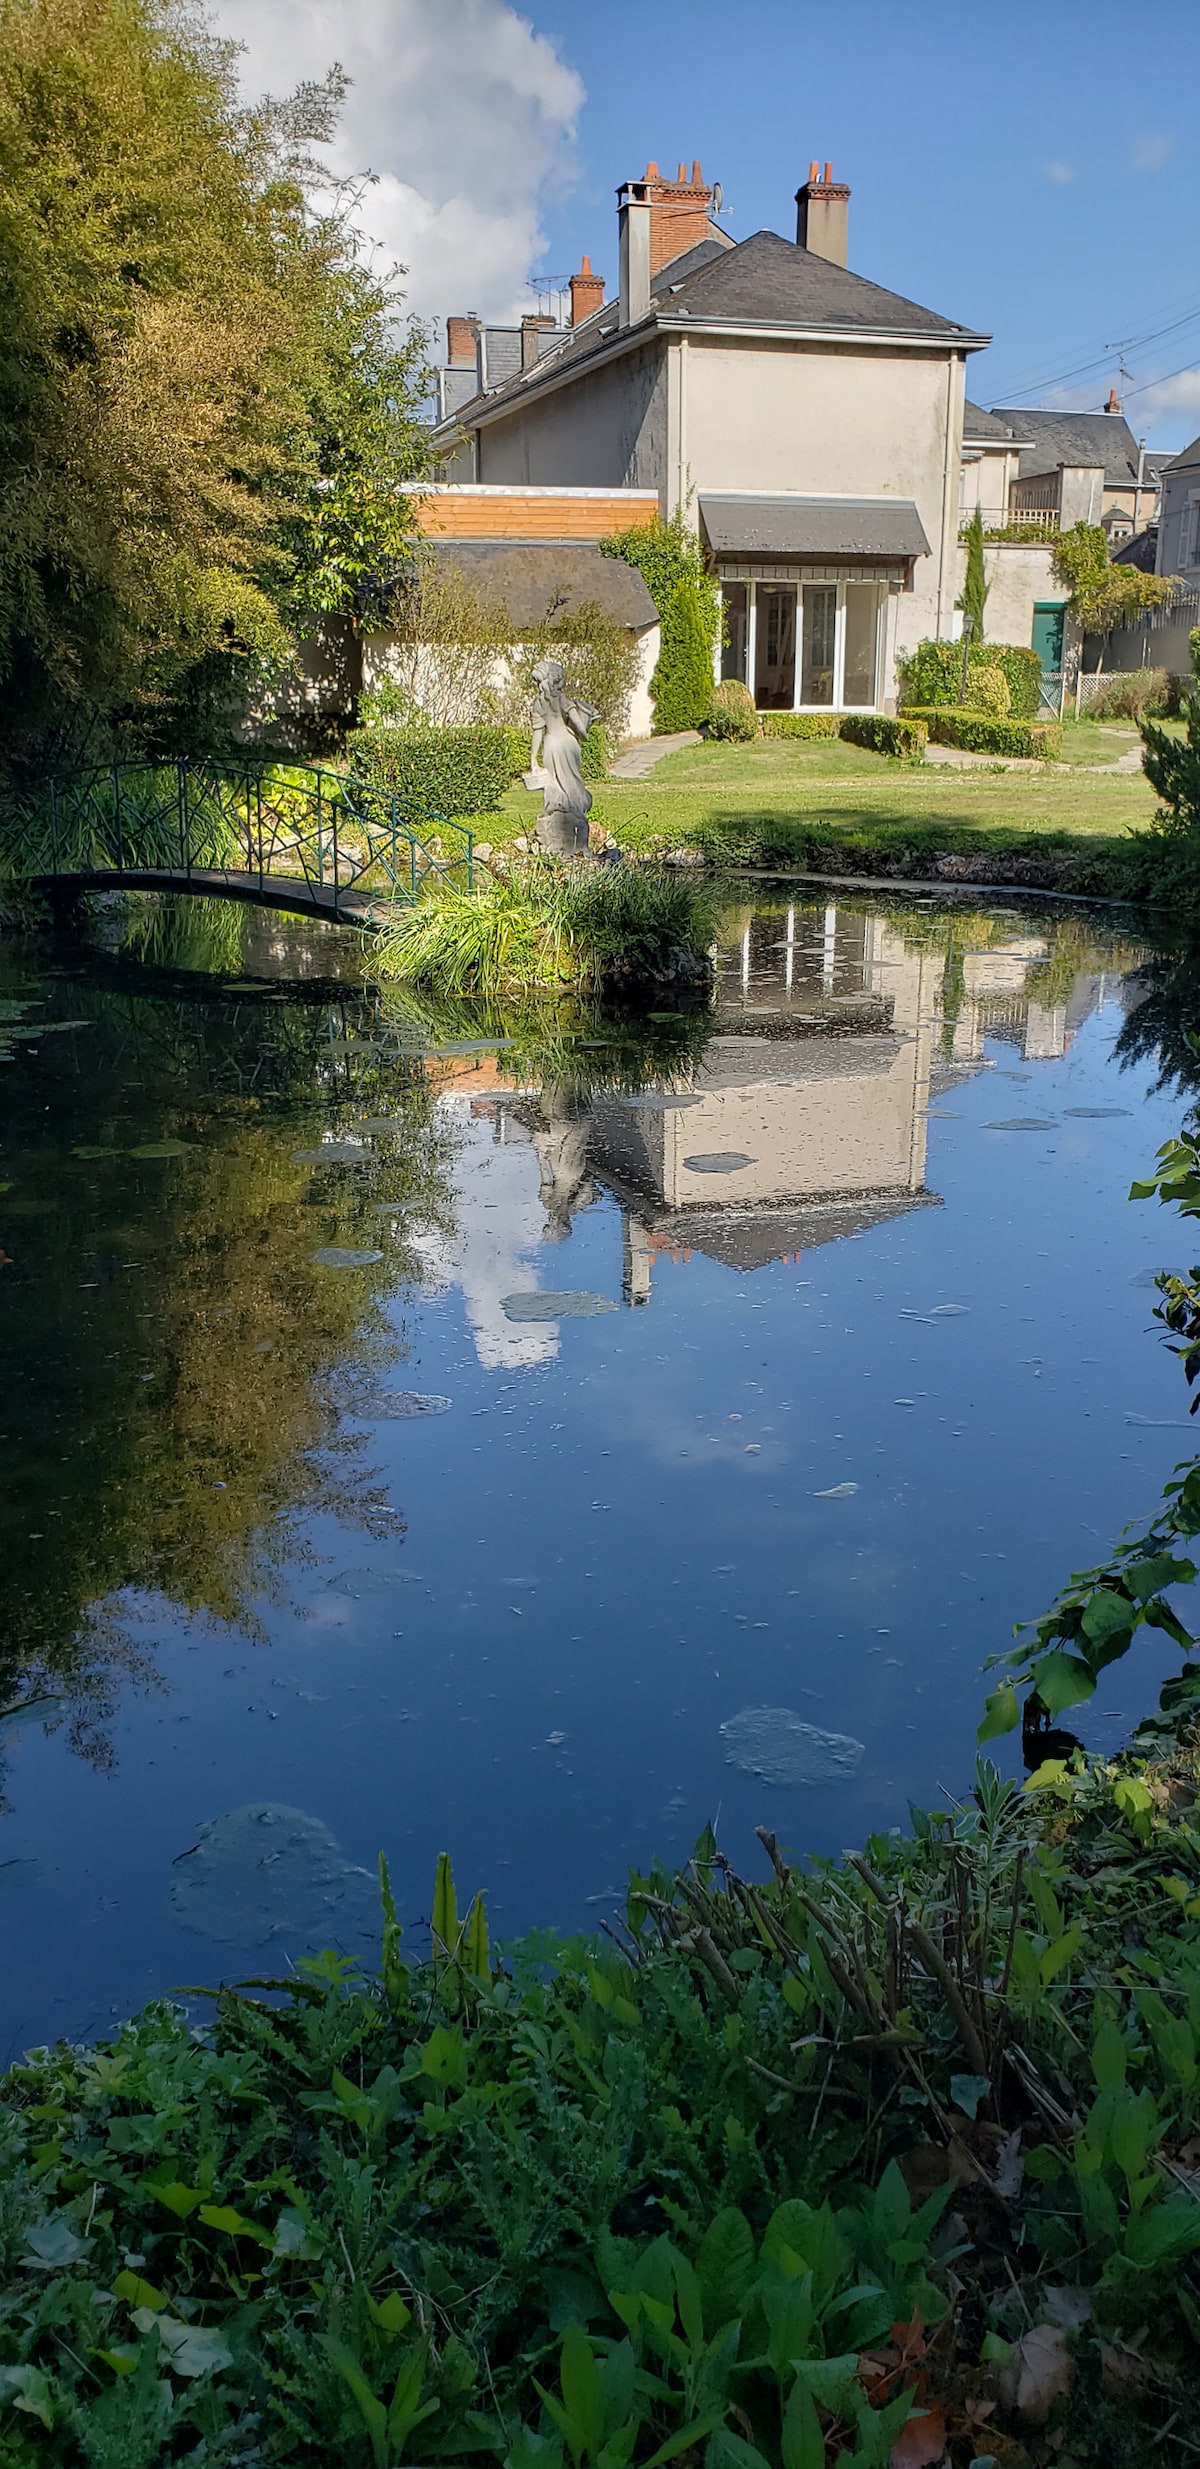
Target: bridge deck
[341,907]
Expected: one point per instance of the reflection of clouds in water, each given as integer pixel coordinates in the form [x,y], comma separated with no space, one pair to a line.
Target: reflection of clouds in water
[500,1228]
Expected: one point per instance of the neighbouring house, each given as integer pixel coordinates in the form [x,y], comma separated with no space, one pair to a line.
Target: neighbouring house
[1081,467]
[808,422]
[1179,517]
[532,552]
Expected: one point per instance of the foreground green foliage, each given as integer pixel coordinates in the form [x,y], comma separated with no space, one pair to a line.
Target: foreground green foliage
[547,927]
[933,673]
[668,556]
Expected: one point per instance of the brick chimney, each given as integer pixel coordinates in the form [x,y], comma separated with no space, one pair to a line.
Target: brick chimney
[823,215]
[462,341]
[531,328]
[1112,404]
[587,292]
[680,211]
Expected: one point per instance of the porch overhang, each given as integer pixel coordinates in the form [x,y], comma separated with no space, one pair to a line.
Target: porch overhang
[846,532]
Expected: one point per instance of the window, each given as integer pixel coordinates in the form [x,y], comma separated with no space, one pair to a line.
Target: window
[1194,559]
[736,601]
[775,655]
[820,631]
[862,632]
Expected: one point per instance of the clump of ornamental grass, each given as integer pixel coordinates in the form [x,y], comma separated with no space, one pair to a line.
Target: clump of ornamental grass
[548,928]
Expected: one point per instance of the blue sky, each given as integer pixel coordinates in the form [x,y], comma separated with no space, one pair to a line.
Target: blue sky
[1032,170]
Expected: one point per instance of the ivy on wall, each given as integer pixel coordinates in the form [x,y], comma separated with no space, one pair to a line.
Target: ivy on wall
[669,558]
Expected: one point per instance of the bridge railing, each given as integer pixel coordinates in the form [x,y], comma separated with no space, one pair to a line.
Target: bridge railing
[254,826]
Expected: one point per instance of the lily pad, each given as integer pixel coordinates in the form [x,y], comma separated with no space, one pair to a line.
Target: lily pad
[396,1405]
[1095,1114]
[773,1743]
[659,1101]
[333,1153]
[31,1710]
[267,1871]
[332,1256]
[837,1491]
[1021,1123]
[15,1873]
[573,1306]
[162,1148]
[718,1161]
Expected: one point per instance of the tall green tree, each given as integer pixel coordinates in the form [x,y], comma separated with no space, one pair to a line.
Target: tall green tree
[975,584]
[1103,595]
[202,397]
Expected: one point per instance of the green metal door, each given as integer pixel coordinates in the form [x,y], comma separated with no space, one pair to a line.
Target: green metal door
[1048,618]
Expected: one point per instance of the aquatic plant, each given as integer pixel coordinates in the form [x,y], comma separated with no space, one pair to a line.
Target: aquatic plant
[547,928]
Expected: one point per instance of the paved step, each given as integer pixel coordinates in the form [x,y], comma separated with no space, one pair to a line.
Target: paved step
[640,759]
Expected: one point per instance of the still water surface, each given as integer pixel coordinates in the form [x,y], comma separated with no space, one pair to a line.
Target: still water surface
[456,1443]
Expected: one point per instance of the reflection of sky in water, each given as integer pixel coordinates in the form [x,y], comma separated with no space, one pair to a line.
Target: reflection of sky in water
[629,1529]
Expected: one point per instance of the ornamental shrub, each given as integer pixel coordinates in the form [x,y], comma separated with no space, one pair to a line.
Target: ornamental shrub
[800,724]
[668,556]
[733,713]
[987,686]
[978,733]
[682,684]
[905,738]
[443,772]
[1132,694]
[932,674]
[1172,764]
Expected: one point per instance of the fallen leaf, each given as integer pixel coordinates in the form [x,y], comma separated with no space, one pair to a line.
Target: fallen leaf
[1122,2370]
[1069,2306]
[1040,2371]
[922,2443]
[1008,2172]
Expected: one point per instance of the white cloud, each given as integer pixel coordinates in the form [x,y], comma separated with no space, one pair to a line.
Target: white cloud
[1151,152]
[466,115]
[1060,173]
[1170,398]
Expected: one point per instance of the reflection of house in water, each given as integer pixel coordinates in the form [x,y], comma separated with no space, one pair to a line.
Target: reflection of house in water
[806,1117]
[807,1114]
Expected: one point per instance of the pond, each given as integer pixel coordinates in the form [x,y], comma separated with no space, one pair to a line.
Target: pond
[431,1433]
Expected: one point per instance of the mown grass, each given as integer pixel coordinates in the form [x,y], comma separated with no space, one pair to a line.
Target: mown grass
[546,928]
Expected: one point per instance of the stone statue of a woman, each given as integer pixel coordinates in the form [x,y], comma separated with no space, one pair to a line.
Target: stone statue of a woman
[556,763]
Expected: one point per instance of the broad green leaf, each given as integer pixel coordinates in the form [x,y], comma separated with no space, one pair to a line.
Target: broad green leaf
[444,2057]
[138,2292]
[234,2224]
[445,1905]
[476,1957]
[725,2266]
[1107,1615]
[803,2444]
[1001,1712]
[1062,1680]
[182,2200]
[583,2393]
[29,2390]
[391,2313]
[1062,1951]
[727,2451]
[372,2411]
[1108,2058]
[966,2091]
[191,2349]
[53,2244]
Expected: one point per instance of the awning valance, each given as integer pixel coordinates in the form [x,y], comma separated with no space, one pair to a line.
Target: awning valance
[887,529]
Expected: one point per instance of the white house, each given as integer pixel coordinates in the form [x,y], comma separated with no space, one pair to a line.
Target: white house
[808,422]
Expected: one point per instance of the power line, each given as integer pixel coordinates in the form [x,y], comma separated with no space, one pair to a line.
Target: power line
[1132,343]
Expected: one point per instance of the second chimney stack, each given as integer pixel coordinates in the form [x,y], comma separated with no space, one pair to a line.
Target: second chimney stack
[823,215]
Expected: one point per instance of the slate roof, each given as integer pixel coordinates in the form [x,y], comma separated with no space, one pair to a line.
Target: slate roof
[534,579]
[1057,437]
[764,281]
[980,427]
[742,1238]
[1189,454]
[751,525]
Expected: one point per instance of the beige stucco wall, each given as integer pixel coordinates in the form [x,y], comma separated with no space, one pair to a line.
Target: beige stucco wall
[605,431]
[827,421]
[1018,576]
[987,473]
[381,659]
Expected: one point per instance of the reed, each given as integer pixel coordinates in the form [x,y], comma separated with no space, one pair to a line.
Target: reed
[548,929]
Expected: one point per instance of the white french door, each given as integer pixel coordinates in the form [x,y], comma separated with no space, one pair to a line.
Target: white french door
[806,647]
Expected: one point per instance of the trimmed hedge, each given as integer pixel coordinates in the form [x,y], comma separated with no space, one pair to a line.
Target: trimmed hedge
[978,733]
[448,772]
[932,674]
[881,735]
[800,724]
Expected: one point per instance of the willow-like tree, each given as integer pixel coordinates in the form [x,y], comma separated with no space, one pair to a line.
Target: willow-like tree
[204,397]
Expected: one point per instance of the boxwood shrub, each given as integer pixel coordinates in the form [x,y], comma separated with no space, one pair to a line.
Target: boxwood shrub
[978,733]
[800,724]
[933,674]
[445,772]
[881,735]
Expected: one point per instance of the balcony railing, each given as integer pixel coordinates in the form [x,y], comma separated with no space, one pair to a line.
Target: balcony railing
[1021,523]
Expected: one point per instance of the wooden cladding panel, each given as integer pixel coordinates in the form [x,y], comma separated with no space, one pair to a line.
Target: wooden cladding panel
[522,517]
